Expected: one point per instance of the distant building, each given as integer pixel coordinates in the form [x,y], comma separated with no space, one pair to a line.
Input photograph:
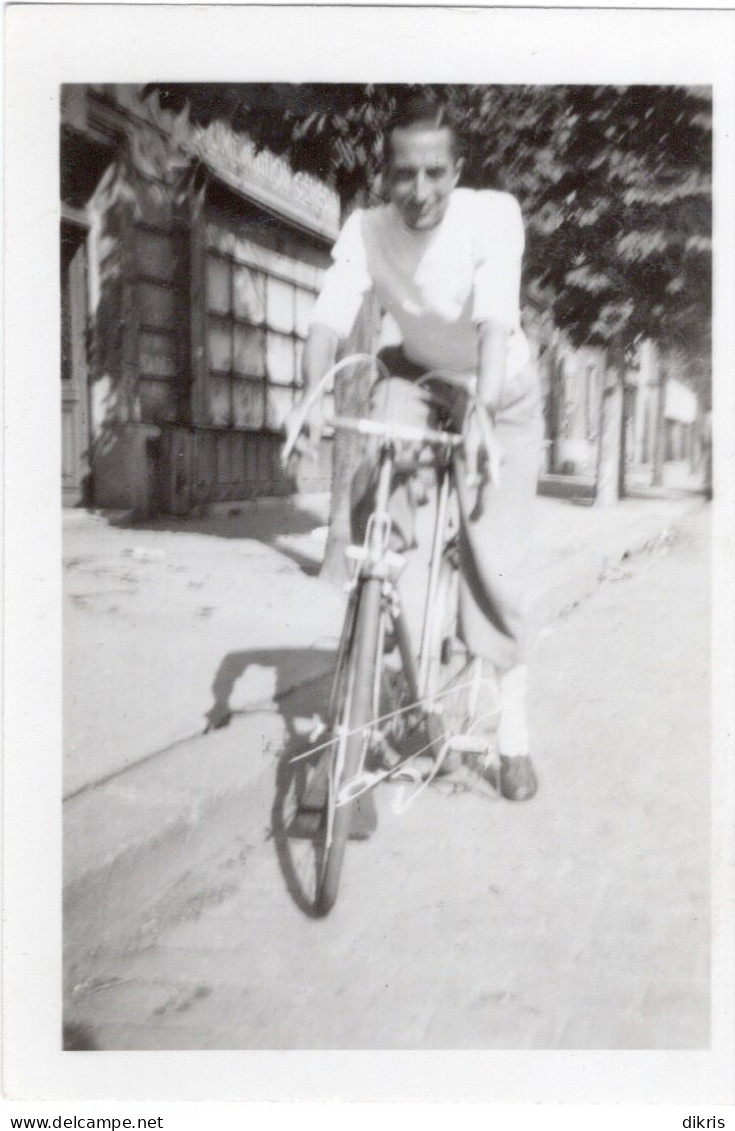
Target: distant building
[573,383]
[186,288]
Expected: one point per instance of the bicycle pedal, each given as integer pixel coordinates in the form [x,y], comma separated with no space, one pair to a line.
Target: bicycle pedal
[473,781]
[468,744]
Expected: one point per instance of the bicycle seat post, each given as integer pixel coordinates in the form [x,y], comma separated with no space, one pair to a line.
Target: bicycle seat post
[377,538]
[440,523]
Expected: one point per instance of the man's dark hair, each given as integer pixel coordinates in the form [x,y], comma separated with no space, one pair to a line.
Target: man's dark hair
[422,109]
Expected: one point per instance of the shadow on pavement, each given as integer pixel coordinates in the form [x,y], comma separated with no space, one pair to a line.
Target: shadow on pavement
[299,680]
[291,677]
[278,526]
[78,1038]
[262,523]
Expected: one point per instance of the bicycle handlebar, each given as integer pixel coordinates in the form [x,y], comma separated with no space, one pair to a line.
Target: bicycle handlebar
[389,431]
[310,399]
[488,443]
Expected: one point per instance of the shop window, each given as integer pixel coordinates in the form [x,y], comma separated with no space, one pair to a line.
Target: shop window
[305,302]
[154,254]
[158,401]
[280,403]
[220,406]
[280,302]
[256,325]
[248,352]
[281,360]
[248,404]
[157,354]
[220,345]
[218,286]
[162,348]
[249,295]
[157,304]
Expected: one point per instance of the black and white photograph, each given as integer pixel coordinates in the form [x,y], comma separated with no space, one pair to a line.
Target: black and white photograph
[387,586]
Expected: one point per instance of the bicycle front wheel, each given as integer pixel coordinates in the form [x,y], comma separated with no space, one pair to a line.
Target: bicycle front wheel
[355,711]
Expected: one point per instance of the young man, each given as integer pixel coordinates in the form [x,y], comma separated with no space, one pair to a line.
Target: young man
[445,263]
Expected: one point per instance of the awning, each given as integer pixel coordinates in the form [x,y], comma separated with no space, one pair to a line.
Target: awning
[268,180]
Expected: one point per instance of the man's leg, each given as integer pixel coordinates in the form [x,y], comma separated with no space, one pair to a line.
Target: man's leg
[397,399]
[494,552]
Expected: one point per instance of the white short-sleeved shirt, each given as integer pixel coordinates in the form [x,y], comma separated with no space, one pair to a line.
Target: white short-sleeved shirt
[437,285]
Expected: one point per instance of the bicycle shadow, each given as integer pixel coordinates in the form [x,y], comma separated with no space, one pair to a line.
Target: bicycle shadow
[297,682]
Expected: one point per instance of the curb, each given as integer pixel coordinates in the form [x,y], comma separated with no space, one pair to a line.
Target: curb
[170,791]
[563,586]
[131,833]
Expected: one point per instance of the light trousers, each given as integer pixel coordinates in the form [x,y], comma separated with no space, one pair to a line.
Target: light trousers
[494,545]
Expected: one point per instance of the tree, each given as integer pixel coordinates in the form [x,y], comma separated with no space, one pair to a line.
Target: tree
[615,183]
[627,253]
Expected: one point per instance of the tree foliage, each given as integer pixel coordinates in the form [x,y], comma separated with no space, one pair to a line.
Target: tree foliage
[624,246]
[615,183]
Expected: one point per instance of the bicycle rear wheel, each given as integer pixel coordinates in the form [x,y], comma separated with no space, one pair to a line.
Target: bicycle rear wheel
[447,656]
[446,653]
[354,714]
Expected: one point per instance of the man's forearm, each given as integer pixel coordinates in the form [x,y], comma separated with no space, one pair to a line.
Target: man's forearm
[492,360]
[320,352]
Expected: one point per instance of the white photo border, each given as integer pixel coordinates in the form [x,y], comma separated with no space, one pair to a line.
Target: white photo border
[50,44]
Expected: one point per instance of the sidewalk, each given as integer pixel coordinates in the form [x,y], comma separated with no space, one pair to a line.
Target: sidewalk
[171,626]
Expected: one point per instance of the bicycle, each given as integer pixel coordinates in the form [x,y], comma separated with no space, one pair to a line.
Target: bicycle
[359,730]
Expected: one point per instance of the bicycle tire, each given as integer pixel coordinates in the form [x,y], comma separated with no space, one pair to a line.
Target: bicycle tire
[355,713]
[447,656]
[444,648]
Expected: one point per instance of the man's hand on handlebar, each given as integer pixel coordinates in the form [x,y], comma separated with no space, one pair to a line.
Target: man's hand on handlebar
[303,432]
[482,453]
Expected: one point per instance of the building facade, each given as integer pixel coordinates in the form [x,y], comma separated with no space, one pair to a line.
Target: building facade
[659,407]
[189,268]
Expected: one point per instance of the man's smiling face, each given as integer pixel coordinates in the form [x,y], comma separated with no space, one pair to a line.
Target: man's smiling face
[421,173]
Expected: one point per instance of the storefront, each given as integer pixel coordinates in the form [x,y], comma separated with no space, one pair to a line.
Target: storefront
[203,270]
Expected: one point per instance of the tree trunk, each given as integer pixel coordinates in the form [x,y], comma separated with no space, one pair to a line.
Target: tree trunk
[624,421]
[659,451]
[556,405]
[612,423]
[351,398]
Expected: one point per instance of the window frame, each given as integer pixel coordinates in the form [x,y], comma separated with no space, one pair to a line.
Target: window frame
[231,320]
[151,383]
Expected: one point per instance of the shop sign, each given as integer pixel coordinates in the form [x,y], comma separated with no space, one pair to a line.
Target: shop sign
[268,179]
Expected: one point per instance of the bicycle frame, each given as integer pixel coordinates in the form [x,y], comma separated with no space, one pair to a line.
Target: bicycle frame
[442,506]
[375,559]
[354,719]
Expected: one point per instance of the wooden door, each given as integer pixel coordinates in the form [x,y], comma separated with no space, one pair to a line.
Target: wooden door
[75,468]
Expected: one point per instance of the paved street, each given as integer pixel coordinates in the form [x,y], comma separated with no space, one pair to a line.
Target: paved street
[578,920]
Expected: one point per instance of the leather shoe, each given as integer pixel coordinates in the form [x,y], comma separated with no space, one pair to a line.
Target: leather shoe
[518,780]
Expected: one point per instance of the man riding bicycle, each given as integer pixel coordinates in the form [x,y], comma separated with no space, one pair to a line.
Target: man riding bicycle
[445,263]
